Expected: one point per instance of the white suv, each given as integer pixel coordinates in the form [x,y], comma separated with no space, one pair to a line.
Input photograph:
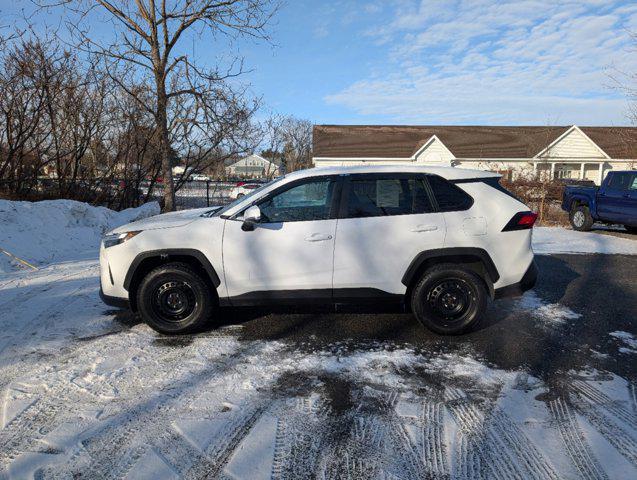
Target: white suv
[441,241]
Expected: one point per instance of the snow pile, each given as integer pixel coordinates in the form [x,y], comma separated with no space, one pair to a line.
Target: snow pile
[627,339]
[549,314]
[561,240]
[58,230]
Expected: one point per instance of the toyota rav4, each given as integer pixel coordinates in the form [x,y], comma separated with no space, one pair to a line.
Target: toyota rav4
[439,241]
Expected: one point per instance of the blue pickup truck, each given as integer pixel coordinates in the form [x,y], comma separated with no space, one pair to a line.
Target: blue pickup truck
[615,201]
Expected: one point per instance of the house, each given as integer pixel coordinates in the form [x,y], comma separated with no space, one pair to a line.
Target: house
[548,152]
[253,166]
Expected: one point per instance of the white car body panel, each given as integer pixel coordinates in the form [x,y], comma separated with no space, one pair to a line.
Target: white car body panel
[399,239]
[278,256]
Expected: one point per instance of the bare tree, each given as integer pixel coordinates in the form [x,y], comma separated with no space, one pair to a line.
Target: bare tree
[151,40]
[287,139]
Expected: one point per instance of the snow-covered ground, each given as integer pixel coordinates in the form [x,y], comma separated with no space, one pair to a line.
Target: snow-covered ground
[88,392]
[547,240]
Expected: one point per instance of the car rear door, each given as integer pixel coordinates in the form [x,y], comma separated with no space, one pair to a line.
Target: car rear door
[289,254]
[616,201]
[384,221]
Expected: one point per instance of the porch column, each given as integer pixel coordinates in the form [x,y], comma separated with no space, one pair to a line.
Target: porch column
[552,171]
[600,177]
[581,171]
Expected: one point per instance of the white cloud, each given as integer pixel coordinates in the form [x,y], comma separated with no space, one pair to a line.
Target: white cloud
[498,62]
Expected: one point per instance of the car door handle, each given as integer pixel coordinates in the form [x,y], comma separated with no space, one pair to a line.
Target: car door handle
[318,237]
[424,228]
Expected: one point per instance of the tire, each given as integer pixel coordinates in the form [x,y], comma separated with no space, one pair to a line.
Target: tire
[449,299]
[174,299]
[581,219]
[630,229]
[239,195]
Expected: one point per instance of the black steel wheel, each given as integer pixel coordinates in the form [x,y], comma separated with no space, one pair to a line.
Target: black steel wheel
[173,298]
[449,299]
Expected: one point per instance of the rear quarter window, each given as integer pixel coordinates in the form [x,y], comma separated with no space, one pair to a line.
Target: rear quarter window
[450,198]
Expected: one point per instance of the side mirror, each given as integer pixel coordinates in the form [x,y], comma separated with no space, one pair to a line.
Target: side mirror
[251,217]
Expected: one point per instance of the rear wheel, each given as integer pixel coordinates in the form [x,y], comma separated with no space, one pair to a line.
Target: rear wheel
[449,299]
[173,299]
[581,219]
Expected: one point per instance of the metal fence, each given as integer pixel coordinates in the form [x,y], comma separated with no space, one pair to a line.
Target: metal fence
[196,194]
[117,194]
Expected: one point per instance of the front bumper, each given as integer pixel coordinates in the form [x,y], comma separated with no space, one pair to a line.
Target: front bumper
[116,302]
[516,289]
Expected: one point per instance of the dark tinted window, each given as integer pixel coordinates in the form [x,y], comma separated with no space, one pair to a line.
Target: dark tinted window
[449,196]
[304,202]
[621,181]
[377,196]
[495,183]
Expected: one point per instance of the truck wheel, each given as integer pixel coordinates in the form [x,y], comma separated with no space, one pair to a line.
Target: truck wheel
[581,219]
[173,299]
[449,299]
[630,229]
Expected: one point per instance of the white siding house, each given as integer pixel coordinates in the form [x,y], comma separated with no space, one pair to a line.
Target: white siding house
[549,152]
[253,166]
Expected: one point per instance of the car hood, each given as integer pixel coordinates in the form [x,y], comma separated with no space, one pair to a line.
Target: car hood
[165,220]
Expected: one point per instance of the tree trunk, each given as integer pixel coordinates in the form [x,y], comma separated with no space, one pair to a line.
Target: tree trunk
[166,167]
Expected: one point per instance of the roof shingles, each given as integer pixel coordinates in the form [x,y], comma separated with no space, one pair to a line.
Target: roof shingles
[386,141]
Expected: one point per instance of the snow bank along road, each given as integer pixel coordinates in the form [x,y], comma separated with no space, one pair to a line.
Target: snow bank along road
[546,390]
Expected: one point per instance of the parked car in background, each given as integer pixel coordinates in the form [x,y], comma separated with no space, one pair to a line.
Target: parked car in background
[614,202]
[199,177]
[242,189]
[439,241]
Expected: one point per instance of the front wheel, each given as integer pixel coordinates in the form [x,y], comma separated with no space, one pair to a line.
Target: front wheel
[630,229]
[449,299]
[581,219]
[174,299]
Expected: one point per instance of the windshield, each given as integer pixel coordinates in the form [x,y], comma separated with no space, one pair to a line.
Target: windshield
[245,197]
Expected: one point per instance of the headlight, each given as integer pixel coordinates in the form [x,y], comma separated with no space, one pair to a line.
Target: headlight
[117,238]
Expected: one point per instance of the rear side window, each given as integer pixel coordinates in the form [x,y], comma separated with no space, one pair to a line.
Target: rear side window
[450,198]
[495,183]
[395,195]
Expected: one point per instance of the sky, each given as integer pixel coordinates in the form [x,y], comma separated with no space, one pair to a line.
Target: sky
[450,62]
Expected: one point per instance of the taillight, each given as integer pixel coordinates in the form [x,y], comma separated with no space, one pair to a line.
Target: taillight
[521,221]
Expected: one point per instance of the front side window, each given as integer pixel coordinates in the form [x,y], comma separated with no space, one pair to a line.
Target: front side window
[449,197]
[377,197]
[305,202]
[621,181]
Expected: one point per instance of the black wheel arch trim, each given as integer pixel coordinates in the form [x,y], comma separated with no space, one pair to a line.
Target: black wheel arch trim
[167,253]
[437,253]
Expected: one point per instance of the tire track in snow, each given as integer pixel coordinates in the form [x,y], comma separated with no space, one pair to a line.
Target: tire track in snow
[592,394]
[298,441]
[611,430]
[434,454]
[574,442]
[219,452]
[11,305]
[509,453]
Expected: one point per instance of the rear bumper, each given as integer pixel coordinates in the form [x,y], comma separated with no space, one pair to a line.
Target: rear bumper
[516,289]
[114,301]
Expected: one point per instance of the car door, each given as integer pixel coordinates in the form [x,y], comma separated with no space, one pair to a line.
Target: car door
[614,202]
[631,202]
[385,220]
[289,254]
